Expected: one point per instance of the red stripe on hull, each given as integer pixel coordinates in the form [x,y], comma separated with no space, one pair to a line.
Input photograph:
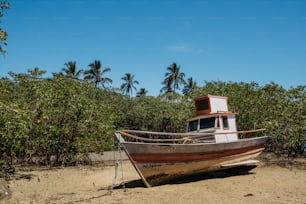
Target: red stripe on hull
[185,157]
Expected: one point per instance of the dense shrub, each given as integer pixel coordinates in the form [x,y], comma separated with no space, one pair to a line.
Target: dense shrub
[155,114]
[58,117]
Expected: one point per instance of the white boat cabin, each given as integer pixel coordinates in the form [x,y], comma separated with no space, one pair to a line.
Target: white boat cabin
[213,116]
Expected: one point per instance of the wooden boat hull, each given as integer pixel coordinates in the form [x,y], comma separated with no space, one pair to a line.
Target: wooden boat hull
[158,163]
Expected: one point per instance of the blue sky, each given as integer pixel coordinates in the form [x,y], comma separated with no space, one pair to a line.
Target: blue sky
[227,40]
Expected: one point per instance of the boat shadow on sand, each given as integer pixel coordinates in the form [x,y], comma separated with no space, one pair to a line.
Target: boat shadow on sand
[225,173]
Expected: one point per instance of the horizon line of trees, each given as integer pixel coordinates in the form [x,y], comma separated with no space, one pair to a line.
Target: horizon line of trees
[96,74]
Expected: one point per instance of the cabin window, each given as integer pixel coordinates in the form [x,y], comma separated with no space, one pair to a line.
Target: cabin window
[207,123]
[225,122]
[217,122]
[203,105]
[193,125]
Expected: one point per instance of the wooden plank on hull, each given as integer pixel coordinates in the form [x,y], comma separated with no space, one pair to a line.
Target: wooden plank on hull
[243,163]
[185,157]
[158,148]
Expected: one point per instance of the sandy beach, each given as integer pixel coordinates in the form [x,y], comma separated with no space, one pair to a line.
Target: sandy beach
[267,183]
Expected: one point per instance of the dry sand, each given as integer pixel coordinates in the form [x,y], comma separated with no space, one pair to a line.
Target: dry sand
[90,184]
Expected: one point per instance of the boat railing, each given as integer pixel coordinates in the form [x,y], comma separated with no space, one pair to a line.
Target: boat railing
[189,137]
[250,133]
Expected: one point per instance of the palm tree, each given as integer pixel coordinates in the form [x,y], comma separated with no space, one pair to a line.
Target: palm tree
[95,74]
[71,70]
[173,79]
[128,85]
[189,87]
[142,92]
[167,89]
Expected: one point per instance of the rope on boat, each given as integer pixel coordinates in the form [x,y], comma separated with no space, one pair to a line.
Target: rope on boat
[150,139]
[120,153]
[184,137]
[116,169]
[117,163]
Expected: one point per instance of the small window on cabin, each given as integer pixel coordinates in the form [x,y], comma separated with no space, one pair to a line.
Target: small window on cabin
[193,125]
[225,122]
[207,123]
[217,122]
[203,105]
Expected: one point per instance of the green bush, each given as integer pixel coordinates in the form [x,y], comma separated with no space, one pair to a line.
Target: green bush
[58,117]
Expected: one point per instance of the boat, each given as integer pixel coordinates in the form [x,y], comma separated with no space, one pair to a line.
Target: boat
[211,143]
